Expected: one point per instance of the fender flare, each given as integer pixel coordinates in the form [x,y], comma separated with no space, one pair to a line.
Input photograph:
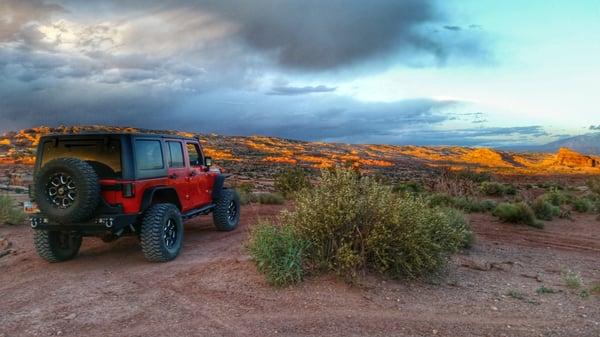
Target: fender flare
[149,196]
[218,185]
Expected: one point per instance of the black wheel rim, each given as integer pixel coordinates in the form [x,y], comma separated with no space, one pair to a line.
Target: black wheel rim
[61,190]
[170,233]
[231,211]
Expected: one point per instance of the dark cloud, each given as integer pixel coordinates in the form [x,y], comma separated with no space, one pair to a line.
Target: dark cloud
[206,66]
[289,90]
[317,35]
[595,127]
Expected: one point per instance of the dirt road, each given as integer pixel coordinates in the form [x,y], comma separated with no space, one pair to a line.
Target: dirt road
[213,289]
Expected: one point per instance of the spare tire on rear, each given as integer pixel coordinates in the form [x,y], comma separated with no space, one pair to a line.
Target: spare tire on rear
[67,190]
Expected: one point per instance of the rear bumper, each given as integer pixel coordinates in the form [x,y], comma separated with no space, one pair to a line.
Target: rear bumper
[111,223]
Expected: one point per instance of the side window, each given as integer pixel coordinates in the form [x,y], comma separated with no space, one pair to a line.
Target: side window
[175,154]
[148,155]
[194,153]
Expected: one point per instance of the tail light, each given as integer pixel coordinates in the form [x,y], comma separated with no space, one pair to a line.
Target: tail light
[128,190]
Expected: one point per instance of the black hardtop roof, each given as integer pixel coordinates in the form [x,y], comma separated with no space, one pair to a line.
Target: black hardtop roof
[103,134]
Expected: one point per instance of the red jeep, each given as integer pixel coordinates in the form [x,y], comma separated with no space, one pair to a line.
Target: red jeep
[114,184]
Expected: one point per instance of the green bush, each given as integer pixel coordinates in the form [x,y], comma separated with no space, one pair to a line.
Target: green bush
[572,279]
[496,189]
[408,187]
[510,189]
[441,200]
[594,185]
[477,177]
[268,198]
[519,213]
[10,214]
[354,223]
[278,253]
[245,192]
[418,240]
[582,205]
[544,210]
[558,197]
[469,205]
[292,180]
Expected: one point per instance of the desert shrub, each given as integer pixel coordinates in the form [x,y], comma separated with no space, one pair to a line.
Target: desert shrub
[278,253]
[471,205]
[459,224]
[245,192]
[510,189]
[595,288]
[548,185]
[411,187]
[582,205]
[10,214]
[572,279]
[496,189]
[417,240]
[268,198]
[542,290]
[474,176]
[516,294]
[488,205]
[440,200]
[450,183]
[292,180]
[352,223]
[558,197]
[519,213]
[594,185]
[467,204]
[544,210]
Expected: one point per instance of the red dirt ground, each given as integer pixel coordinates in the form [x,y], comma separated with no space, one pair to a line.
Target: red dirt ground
[213,289]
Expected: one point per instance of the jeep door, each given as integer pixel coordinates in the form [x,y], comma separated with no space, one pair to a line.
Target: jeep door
[178,173]
[198,175]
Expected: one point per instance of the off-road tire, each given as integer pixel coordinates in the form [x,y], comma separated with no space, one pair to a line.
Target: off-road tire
[154,229]
[222,217]
[85,181]
[49,247]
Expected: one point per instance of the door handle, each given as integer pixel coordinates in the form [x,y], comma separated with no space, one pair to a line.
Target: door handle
[193,174]
[173,176]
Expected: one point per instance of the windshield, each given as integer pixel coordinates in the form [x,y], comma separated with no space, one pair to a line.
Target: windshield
[104,155]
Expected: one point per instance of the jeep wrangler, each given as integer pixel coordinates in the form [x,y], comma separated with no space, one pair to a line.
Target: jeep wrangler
[114,184]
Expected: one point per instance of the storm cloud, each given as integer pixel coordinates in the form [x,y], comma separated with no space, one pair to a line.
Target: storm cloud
[233,67]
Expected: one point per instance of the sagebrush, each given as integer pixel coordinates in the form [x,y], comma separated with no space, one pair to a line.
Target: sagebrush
[351,223]
[292,180]
[519,213]
[278,253]
[10,214]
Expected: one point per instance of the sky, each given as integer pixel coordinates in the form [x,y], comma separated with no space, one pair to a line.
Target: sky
[423,72]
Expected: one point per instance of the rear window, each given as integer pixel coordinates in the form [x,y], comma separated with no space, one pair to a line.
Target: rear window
[104,156]
[148,155]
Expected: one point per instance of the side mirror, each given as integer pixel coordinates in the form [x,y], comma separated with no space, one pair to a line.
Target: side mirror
[208,161]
